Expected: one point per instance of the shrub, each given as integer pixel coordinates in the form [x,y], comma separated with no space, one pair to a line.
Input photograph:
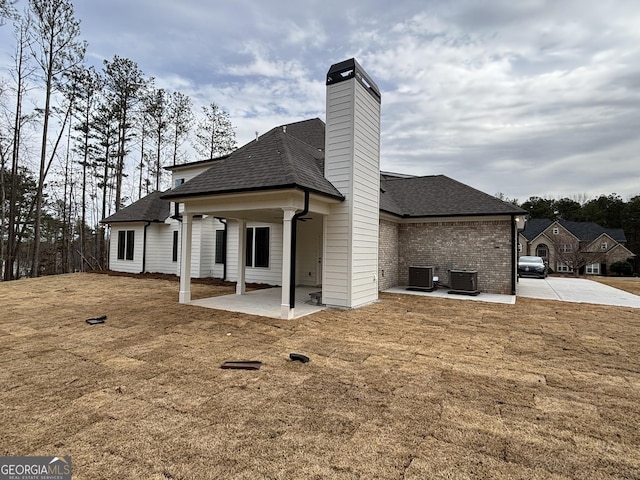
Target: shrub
[622,268]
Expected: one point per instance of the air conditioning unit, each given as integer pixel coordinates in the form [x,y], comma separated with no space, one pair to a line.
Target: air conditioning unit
[464,282]
[421,278]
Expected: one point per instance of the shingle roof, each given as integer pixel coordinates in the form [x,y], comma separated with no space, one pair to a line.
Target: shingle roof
[589,231]
[583,231]
[277,159]
[292,156]
[439,196]
[148,209]
[309,131]
[535,226]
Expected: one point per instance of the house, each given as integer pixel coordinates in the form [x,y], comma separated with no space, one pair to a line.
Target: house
[306,204]
[582,247]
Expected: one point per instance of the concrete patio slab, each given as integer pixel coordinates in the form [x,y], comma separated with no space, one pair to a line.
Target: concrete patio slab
[443,293]
[264,302]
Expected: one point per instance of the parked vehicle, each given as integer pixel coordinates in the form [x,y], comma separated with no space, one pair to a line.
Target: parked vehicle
[532,266]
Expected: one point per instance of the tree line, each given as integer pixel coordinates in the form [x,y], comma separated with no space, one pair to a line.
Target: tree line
[79,143]
[608,211]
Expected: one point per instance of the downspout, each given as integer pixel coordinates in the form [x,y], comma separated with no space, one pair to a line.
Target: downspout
[514,253]
[294,230]
[144,248]
[224,241]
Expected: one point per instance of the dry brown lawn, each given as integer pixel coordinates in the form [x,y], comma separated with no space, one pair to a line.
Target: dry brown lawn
[407,388]
[628,284]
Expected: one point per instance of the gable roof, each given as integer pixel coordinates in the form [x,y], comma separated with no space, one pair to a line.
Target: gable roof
[438,196]
[148,209]
[589,231]
[534,227]
[276,160]
[583,231]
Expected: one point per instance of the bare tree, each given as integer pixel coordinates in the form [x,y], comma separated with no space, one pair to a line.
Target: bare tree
[572,254]
[215,135]
[21,73]
[157,110]
[105,127]
[88,83]
[181,120]
[55,32]
[123,81]
[7,10]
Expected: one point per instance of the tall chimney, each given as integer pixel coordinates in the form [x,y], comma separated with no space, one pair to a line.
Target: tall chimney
[352,164]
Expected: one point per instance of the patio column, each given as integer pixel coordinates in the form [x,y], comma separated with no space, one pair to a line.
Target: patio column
[242,256]
[286,312]
[185,258]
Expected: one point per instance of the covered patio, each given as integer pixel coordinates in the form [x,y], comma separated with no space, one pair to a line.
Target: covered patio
[287,207]
[264,302]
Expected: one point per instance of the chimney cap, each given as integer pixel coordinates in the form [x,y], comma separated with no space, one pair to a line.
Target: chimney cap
[347,69]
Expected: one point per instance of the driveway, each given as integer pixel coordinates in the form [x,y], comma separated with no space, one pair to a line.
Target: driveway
[577,290]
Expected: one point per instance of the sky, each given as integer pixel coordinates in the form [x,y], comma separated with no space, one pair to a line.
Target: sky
[524,98]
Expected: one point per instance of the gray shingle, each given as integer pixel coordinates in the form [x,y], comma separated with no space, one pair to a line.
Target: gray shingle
[589,231]
[276,160]
[535,226]
[583,231]
[148,209]
[439,196]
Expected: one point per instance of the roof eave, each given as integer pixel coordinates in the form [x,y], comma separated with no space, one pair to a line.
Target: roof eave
[291,186]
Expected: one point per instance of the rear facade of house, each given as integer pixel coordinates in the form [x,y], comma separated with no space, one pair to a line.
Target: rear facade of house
[355,230]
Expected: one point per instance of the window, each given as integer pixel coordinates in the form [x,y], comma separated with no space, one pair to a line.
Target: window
[258,247]
[221,246]
[178,182]
[556,230]
[603,246]
[175,246]
[566,247]
[541,251]
[564,267]
[519,247]
[593,269]
[126,244]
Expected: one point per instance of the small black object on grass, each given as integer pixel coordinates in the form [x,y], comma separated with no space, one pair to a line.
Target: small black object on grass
[97,320]
[299,357]
[242,365]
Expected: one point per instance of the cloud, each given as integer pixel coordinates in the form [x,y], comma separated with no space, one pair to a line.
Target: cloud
[526,97]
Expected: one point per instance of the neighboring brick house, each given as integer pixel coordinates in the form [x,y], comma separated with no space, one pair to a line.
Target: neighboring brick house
[306,204]
[574,247]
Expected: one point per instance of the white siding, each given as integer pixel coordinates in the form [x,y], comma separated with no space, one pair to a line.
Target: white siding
[352,164]
[186,174]
[160,247]
[207,245]
[271,275]
[336,278]
[366,197]
[128,266]
[308,238]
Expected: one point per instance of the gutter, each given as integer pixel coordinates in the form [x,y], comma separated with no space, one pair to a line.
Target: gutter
[294,234]
[144,247]
[224,241]
[514,253]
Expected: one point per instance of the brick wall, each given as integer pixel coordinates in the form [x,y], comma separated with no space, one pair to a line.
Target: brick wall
[484,246]
[616,255]
[388,255]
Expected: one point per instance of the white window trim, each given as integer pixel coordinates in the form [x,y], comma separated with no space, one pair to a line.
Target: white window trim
[592,269]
